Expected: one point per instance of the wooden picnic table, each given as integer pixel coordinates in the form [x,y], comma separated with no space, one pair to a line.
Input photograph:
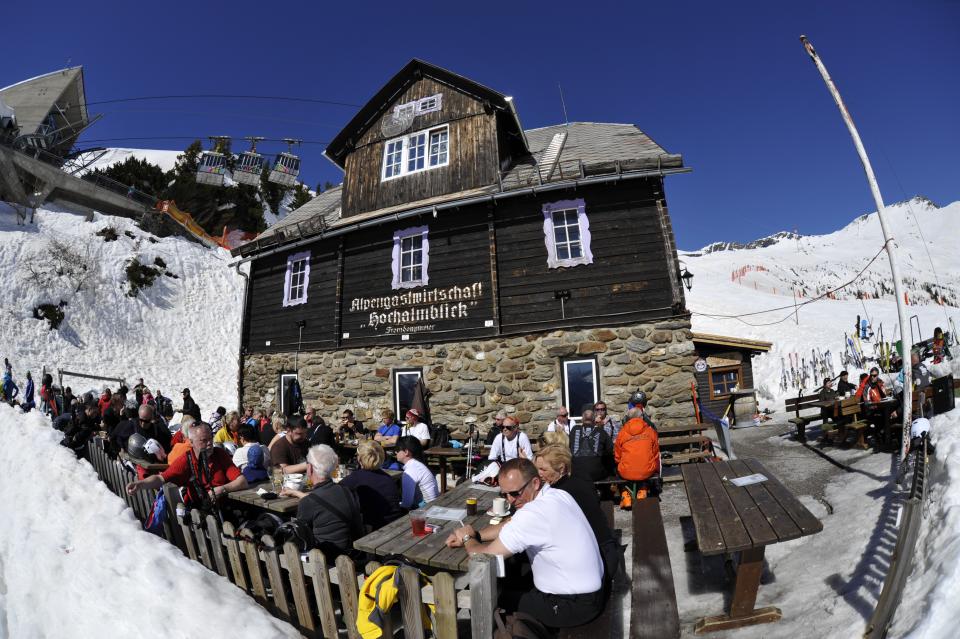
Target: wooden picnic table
[734,396]
[397,538]
[249,496]
[747,519]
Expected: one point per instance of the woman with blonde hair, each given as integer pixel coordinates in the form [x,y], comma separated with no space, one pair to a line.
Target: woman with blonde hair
[554,437]
[279,428]
[554,463]
[376,491]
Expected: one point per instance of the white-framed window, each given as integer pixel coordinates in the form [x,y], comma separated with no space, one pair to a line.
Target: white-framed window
[404,386]
[581,385]
[415,152]
[566,233]
[425,150]
[393,158]
[430,104]
[411,256]
[439,141]
[297,279]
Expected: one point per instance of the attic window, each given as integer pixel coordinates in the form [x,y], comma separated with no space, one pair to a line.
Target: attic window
[426,149]
[297,279]
[566,233]
[429,104]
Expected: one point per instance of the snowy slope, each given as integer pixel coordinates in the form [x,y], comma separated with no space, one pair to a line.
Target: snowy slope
[75,563]
[741,281]
[182,331]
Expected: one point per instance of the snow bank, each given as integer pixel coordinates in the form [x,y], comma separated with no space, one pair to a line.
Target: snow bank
[929,608]
[184,330]
[74,562]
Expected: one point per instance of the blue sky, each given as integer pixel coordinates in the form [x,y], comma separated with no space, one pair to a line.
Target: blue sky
[727,85]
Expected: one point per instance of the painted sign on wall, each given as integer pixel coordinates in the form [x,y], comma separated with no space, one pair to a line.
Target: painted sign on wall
[419,311]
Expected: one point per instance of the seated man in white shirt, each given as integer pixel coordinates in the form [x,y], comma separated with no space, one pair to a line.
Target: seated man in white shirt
[511,443]
[562,422]
[413,427]
[567,568]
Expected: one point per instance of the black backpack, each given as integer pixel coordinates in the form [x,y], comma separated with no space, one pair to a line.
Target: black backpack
[265,524]
[439,436]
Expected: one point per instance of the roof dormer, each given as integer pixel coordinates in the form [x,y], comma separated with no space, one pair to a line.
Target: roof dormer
[427,133]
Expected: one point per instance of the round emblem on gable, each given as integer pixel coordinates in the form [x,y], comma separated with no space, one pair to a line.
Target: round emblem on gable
[700,365]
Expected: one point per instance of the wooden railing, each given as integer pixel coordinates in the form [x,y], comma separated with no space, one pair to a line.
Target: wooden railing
[318,598]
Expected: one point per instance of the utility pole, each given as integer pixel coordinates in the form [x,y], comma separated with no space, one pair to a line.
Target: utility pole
[888,245]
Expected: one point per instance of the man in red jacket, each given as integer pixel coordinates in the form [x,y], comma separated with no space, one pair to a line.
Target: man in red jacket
[637,454]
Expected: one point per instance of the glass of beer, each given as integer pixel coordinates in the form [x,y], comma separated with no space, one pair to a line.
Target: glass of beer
[471,506]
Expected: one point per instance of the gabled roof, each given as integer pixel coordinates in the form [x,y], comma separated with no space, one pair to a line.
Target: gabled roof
[32,99]
[591,150]
[341,145]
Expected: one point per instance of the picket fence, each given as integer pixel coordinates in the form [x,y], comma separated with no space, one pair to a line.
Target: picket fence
[317,598]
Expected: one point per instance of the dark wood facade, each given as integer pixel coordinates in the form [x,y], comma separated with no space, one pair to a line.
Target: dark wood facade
[473,161]
[495,251]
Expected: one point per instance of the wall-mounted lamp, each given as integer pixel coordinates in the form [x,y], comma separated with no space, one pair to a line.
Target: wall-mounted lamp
[687,278]
[563,295]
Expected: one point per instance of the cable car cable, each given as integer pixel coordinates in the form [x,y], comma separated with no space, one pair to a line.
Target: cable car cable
[190,137]
[225,96]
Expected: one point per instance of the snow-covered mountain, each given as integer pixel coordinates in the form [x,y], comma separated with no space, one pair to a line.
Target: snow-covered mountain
[183,330]
[744,280]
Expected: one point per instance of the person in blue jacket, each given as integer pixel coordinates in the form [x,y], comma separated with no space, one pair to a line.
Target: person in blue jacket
[28,403]
[10,389]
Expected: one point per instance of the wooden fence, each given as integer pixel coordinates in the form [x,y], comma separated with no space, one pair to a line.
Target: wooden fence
[319,598]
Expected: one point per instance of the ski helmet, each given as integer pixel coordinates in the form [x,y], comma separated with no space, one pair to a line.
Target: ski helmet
[639,398]
[137,446]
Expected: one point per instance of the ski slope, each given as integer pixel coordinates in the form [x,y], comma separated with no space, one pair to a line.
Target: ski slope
[741,281]
[181,331]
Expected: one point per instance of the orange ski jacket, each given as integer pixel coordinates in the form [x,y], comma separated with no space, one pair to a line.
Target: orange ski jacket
[637,450]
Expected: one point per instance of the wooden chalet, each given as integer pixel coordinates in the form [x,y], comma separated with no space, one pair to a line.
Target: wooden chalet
[724,371]
[508,267]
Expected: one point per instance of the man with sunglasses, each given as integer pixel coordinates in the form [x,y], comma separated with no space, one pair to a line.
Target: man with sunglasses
[606,422]
[145,425]
[567,568]
[561,423]
[511,443]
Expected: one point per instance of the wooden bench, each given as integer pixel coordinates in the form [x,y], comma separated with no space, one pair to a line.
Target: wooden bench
[682,443]
[803,403]
[653,599]
[848,409]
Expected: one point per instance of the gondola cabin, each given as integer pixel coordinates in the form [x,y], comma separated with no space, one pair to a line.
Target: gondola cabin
[285,170]
[509,268]
[248,169]
[211,168]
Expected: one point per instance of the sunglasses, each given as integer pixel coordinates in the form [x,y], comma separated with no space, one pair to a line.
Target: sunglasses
[508,428]
[601,409]
[516,493]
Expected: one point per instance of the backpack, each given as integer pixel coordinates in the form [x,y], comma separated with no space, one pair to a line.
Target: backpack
[296,531]
[439,436]
[519,625]
[265,524]
[158,515]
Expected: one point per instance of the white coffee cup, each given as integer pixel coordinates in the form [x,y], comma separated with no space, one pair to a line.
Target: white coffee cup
[499,506]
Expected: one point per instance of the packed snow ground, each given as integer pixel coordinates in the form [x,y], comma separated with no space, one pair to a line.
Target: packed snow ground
[181,331]
[74,561]
[106,158]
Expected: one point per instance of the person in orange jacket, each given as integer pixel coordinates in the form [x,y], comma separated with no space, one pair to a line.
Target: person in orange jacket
[636,451]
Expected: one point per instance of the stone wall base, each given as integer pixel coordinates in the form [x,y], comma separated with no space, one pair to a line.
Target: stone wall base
[521,375]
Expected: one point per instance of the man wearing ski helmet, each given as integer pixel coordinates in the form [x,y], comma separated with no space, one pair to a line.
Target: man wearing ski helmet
[639,400]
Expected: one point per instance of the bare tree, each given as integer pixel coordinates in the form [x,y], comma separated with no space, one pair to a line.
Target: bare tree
[62,261]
